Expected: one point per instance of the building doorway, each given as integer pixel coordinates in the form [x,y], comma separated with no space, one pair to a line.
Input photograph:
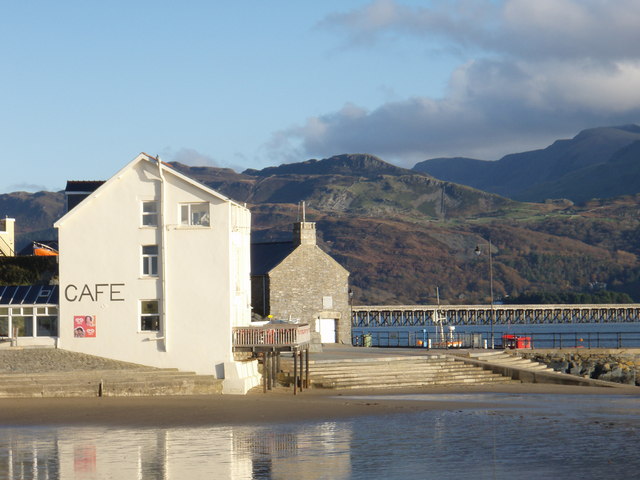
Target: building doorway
[327,328]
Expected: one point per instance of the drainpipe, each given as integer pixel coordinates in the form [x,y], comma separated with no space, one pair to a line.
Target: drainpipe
[164,327]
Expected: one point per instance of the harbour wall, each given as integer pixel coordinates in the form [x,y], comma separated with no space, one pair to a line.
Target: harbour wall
[612,365]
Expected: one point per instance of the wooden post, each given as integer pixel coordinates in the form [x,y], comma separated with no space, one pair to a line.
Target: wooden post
[274,370]
[264,372]
[269,376]
[301,370]
[306,379]
[295,371]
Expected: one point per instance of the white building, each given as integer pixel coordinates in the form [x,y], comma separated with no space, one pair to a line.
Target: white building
[154,269]
[7,237]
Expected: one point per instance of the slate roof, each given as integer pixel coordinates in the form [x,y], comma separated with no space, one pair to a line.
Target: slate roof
[265,256]
[83,186]
[29,295]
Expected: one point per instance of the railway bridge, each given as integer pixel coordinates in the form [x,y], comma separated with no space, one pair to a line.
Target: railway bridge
[424,315]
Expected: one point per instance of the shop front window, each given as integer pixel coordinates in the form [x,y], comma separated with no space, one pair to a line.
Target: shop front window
[47,326]
[22,326]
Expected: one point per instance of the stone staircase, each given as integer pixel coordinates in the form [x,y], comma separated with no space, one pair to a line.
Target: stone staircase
[107,383]
[505,359]
[392,372]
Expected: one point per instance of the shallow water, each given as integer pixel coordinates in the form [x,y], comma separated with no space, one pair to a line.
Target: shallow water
[526,436]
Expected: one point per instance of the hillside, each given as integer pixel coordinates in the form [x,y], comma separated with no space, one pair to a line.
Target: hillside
[388,226]
[34,214]
[620,174]
[402,233]
[357,184]
[550,172]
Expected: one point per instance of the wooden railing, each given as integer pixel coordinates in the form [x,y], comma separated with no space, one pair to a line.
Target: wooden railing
[272,335]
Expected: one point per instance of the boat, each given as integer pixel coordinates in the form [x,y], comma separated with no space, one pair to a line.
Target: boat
[42,250]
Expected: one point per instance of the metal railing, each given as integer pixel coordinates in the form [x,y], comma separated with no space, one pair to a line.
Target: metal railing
[272,336]
[554,340]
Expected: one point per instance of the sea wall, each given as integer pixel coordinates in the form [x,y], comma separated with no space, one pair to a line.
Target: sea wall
[609,365]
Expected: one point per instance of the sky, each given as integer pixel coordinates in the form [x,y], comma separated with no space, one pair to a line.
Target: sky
[88,85]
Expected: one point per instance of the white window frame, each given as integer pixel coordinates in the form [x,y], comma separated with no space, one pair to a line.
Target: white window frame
[149,316]
[30,317]
[150,259]
[149,213]
[195,214]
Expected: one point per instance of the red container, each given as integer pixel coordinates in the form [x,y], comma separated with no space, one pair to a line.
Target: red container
[515,341]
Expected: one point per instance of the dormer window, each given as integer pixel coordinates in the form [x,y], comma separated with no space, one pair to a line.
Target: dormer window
[150,214]
[194,214]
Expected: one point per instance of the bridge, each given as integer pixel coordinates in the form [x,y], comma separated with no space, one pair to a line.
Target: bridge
[424,315]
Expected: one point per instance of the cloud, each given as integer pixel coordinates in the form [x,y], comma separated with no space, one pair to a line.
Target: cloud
[535,71]
[190,156]
[597,29]
[28,187]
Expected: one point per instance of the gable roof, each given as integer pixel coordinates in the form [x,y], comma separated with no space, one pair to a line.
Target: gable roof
[265,256]
[143,157]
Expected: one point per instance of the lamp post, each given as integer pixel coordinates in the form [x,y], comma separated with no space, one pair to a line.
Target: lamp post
[479,252]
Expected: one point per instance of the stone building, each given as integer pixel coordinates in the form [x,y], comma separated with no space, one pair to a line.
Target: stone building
[297,281]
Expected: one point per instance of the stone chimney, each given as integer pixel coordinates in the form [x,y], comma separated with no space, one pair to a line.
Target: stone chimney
[7,237]
[304,233]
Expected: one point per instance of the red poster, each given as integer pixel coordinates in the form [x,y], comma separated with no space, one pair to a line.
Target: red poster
[84,326]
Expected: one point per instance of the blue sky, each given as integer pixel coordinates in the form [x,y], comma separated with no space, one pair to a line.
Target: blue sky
[88,85]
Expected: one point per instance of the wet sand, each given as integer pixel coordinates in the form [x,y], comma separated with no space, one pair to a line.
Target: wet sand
[276,406]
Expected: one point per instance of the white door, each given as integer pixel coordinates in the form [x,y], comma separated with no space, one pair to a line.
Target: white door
[327,330]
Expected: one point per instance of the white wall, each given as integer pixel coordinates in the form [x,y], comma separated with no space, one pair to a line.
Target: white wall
[100,251]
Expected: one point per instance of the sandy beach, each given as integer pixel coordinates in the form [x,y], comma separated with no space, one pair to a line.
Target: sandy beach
[277,406]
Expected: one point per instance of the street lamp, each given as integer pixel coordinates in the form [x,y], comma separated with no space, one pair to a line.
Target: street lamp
[479,252]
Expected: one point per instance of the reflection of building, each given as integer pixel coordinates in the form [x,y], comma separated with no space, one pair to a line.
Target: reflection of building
[159,264]
[298,281]
[309,451]
[7,237]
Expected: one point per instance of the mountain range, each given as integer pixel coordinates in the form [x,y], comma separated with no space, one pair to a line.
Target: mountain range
[402,233]
[596,163]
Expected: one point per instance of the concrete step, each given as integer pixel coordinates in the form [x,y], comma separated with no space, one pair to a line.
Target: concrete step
[394,373]
[461,370]
[108,383]
[404,361]
[421,383]
[502,358]
[364,383]
[450,370]
[388,359]
[57,378]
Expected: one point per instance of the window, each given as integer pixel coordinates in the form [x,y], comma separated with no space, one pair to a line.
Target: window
[194,214]
[40,321]
[4,324]
[149,214]
[150,260]
[47,326]
[149,316]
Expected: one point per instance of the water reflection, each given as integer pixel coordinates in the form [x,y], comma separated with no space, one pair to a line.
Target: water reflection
[307,452]
[539,436]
